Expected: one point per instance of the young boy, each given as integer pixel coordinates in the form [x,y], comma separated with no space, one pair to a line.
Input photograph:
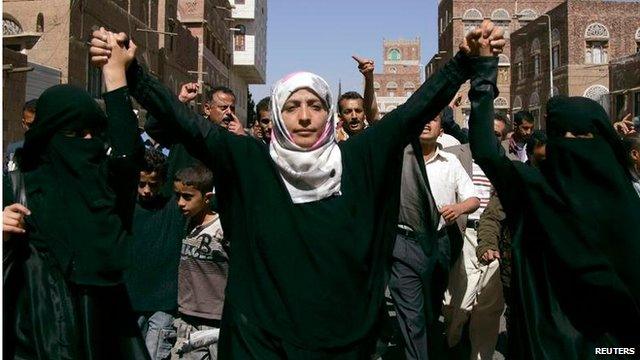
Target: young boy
[152,279]
[203,269]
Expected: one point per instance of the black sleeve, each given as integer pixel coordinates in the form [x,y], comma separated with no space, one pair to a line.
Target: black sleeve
[161,134]
[126,152]
[450,126]
[485,147]
[203,140]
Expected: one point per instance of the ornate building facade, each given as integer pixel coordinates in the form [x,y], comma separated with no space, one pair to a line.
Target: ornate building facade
[585,37]
[457,17]
[401,76]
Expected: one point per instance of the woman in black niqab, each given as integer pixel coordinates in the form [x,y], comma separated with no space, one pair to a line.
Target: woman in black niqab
[575,282]
[80,172]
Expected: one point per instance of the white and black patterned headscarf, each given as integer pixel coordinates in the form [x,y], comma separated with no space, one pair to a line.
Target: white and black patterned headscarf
[314,173]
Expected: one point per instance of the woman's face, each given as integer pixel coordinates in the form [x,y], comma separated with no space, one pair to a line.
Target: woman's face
[305,117]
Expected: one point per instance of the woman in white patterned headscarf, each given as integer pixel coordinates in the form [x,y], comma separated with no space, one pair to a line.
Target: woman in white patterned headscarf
[304,145]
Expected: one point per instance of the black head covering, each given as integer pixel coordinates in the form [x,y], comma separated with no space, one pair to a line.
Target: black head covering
[66,179]
[61,108]
[580,231]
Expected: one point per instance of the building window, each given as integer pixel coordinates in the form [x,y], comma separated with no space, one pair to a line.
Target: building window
[518,59]
[10,27]
[392,94]
[239,38]
[596,92]
[40,23]
[535,56]
[555,51]
[519,74]
[471,19]
[500,103]
[596,52]
[528,15]
[517,103]
[391,85]
[556,56]
[376,85]
[637,40]
[394,55]
[597,43]
[502,19]
[393,70]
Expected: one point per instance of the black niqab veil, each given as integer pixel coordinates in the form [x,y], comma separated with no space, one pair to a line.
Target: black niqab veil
[576,250]
[66,179]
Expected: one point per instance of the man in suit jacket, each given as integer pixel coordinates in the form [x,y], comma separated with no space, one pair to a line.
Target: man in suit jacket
[435,192]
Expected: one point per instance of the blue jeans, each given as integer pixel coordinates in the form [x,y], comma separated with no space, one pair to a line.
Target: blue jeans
[158,333]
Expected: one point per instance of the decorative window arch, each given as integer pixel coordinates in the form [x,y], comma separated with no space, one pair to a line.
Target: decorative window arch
[597,44]
[392,85]
[503,60]
[535,46]
[638,34]
[376,85]
[500,15]
[528,14]
[472,14]
[596,31]
[393,69]
[409,85]
[596,92]
[394,54]
[40,23]
[10,26]
[500,103]
[471,19]
[517,103]
[534,100]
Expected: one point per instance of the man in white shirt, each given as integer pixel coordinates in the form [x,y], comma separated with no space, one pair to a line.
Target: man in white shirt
[422,256]
[515,147]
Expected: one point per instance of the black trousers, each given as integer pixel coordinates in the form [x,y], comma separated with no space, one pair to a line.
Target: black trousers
[417,285]
[242,340]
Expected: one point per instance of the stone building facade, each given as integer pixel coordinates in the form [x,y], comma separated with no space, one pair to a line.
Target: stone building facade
[401,76]
[210,22]
[457,17]
[165,46]
[249,50]
[585,37]
[13,95]
[624,86]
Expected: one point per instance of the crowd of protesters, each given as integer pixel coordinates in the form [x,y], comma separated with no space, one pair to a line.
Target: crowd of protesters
[279,240]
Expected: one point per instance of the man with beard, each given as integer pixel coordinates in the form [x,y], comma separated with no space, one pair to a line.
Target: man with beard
[354,110]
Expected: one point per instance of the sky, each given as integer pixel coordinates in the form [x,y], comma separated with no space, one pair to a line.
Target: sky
[321,35]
